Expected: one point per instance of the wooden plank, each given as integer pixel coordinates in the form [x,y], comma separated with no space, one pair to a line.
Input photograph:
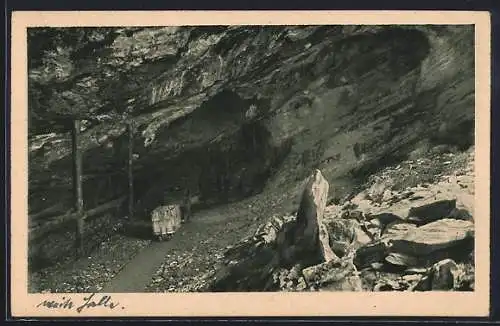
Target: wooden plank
[61,182]
[39,233]
[46,212]
[57,223]
[104,207]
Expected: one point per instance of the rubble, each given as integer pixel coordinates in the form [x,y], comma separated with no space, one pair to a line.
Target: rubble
[422,241]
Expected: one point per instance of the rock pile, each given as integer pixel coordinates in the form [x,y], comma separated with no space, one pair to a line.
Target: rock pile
[343,248]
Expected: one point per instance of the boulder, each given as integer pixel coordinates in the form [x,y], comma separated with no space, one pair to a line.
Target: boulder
[458,252]
[287,249]
[432,212]
[339,275]
[352,214]
[351,283]
[268,232]
[333,211]
[346,235]
[434,236]
[461,214]
[423,285]
[383,287]
[390,285]
[387,196]
[376,266]
[444,275]
[369,278]
[372,253]
[397,229]
[416,270]
[402,260]
[326,251]
[412,278]
[384,219]
[287,280]
[295,272]
[309,233]
[252,271]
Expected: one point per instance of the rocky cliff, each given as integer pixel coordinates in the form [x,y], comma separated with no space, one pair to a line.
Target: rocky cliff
[231,111]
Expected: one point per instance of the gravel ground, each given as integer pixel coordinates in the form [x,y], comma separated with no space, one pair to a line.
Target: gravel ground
[88,273]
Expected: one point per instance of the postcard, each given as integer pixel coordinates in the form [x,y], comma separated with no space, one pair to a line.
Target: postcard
[250,163]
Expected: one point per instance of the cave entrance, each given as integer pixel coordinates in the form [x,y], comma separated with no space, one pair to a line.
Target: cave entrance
[230,170]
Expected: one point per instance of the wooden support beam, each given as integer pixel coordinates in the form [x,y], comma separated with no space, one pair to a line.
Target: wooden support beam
[130,172]
[77,187]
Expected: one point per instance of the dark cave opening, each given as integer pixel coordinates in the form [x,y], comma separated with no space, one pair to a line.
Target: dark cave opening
[230,170]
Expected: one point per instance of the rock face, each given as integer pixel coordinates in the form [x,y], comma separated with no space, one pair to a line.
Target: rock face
[240,109]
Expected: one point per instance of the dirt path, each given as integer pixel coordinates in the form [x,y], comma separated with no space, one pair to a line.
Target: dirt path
[136,275]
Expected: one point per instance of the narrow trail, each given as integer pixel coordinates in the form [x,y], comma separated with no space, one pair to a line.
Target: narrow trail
[136,274]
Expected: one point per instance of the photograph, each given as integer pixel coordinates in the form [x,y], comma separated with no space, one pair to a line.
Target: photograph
[253,159]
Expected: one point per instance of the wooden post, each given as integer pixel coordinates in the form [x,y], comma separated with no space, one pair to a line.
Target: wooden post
[77,187]
[254,138]
[186,202]
[130,174]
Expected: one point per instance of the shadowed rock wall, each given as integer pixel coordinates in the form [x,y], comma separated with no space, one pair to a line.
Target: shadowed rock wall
[234,111]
